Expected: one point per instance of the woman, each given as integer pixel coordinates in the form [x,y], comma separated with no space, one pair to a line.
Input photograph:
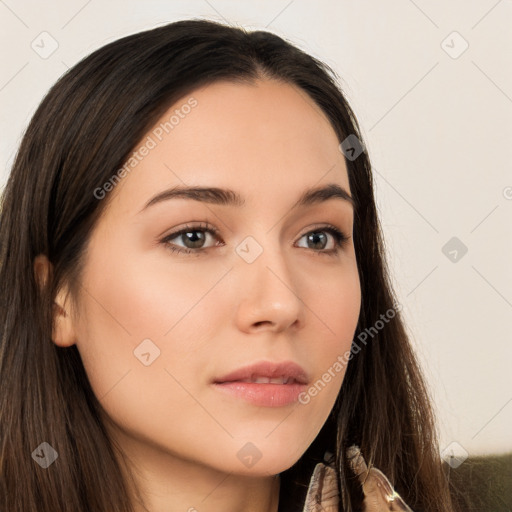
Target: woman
[196,310]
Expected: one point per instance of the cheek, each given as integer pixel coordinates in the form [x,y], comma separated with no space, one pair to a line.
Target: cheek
[334,303]
[335,312]
[136,296]
[171,310]
[155,313]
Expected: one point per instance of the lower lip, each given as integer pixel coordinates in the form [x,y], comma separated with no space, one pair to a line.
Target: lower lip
[266,395]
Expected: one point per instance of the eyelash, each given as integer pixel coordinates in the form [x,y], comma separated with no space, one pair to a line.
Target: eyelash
[339,237]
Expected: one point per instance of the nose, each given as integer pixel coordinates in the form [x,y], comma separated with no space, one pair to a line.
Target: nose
[269,294]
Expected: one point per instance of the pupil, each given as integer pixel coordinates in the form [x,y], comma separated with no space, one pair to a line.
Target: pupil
[191,236]
[314,238]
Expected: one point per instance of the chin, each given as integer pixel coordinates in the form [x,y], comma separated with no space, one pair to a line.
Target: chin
[264,468]
[264,456]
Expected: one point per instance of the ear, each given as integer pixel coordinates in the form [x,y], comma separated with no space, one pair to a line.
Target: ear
[63,333]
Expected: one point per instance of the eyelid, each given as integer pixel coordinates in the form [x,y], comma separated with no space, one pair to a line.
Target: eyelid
[192,226]
[200,226]
[323,226]
[340,236]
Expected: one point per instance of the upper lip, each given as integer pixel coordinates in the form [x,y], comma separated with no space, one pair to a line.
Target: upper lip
[268,369]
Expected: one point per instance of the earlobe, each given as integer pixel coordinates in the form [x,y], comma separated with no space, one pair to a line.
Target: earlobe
[63,333]
[41,269]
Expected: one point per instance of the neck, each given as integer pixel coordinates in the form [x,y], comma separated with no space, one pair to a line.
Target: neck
[164,482]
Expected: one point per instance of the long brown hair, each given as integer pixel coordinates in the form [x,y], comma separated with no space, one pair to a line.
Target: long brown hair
[82,133]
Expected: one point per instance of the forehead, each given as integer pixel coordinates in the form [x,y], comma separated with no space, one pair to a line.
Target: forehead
[265,140]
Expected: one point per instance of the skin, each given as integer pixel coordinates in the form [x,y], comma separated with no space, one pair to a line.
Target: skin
[211,313]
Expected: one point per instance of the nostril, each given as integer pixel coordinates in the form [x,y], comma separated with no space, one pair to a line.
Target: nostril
[257,324]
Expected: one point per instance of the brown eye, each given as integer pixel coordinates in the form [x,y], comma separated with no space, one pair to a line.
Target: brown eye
[317,239]
[193,238]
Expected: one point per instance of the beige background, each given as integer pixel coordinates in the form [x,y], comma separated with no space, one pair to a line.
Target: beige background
[437,118]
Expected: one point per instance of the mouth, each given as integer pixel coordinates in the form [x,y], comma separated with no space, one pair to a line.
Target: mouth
[269,380]
[265,384]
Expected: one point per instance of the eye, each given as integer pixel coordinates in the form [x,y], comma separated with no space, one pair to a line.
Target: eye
[194,238]
[319,240]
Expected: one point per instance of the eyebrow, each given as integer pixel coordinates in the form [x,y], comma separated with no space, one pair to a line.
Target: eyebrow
[228,197]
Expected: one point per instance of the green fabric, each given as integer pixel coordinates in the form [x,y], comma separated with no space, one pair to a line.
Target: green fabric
[483,483]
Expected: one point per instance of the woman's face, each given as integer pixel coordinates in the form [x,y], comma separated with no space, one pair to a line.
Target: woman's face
[163,317]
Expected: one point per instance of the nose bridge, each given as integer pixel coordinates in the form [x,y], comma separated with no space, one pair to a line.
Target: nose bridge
[263,256]
[270,293]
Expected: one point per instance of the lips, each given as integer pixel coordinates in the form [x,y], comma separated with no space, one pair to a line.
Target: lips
[267,372]
[268,380]
[265,384]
